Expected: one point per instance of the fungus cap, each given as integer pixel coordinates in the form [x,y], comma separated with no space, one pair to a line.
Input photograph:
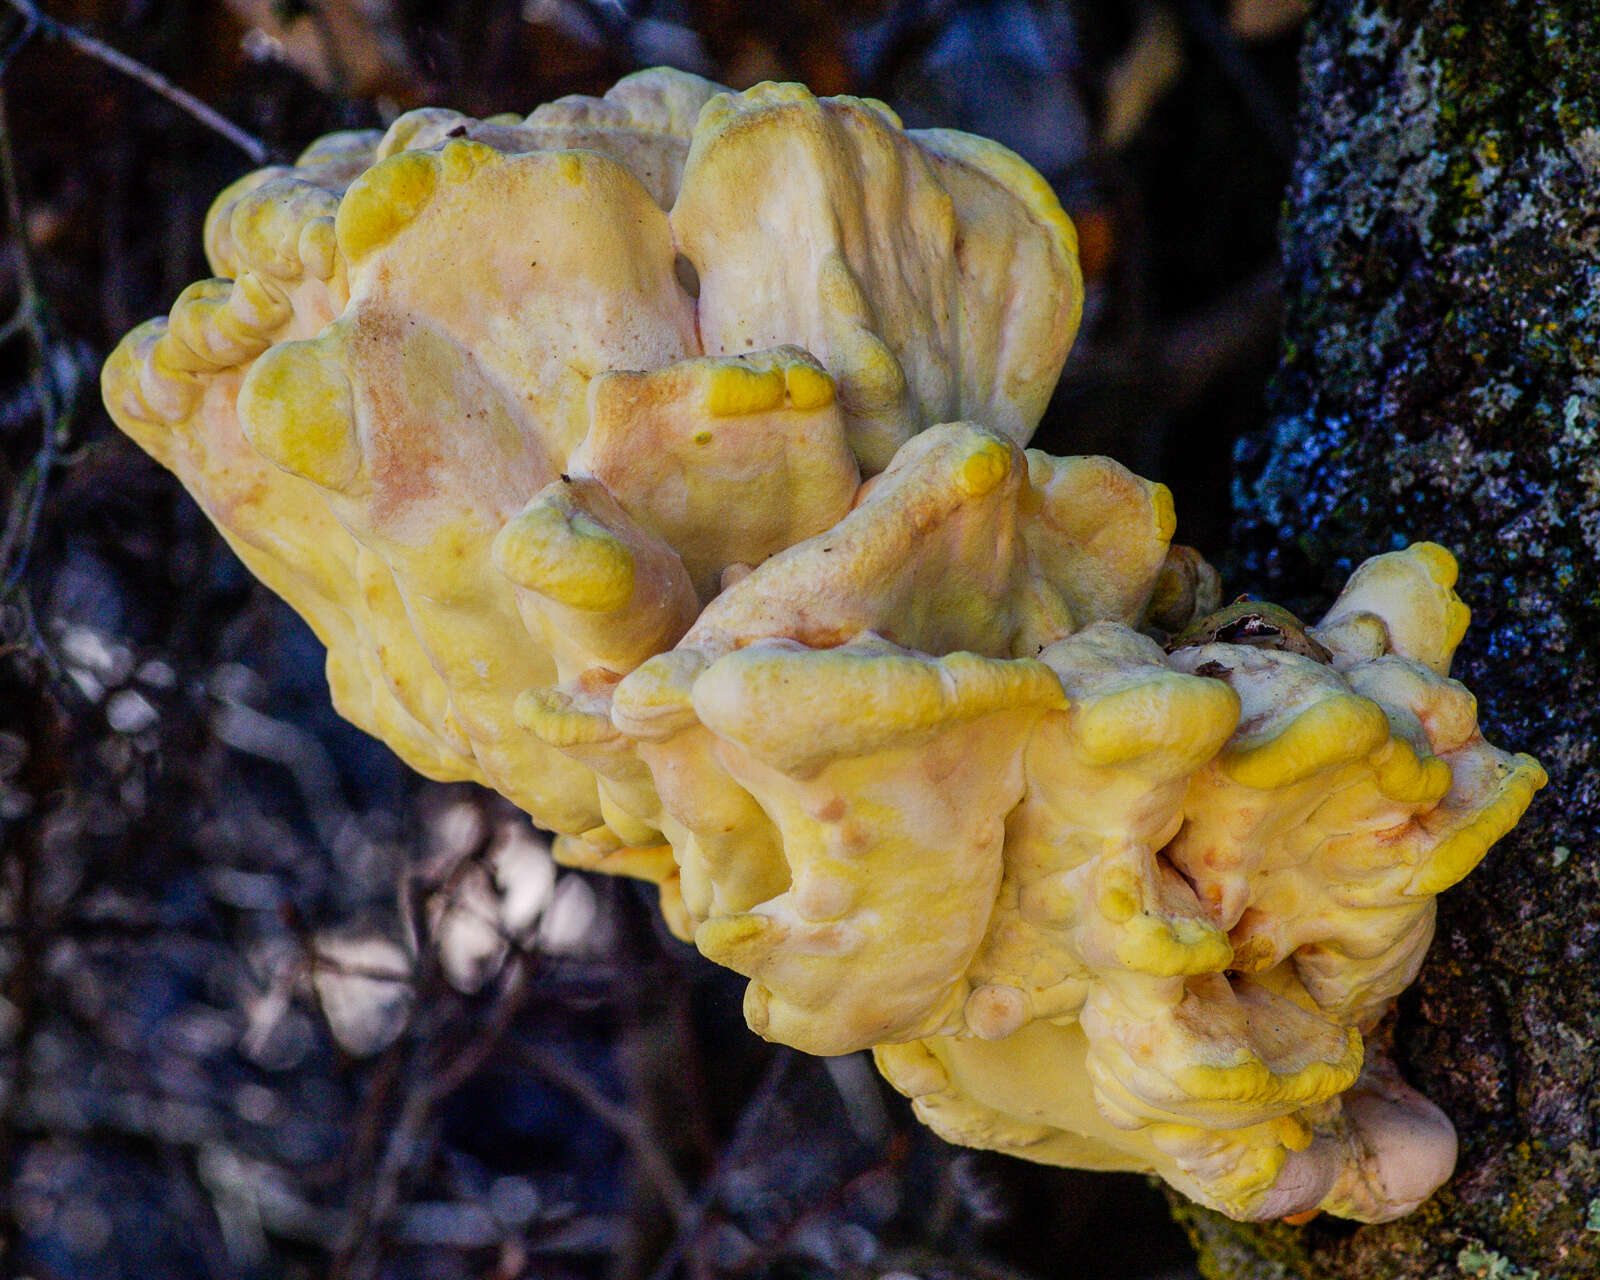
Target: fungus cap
[659,461]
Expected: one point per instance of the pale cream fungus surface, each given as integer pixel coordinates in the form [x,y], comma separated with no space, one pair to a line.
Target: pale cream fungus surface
[658,461]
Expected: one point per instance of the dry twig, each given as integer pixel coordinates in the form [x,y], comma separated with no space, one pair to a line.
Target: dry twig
[738,1143]
[153,80]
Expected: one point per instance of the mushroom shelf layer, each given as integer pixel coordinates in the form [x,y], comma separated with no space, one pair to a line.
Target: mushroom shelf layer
[658,460]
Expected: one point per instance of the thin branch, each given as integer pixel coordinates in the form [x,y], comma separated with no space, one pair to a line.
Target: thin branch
[22,522]
[547,1062]
[744,1133]
[152,80]
[30,24]
[516,985]
[892,1161]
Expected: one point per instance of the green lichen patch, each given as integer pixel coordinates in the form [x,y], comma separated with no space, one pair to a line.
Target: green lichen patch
[1486,1264]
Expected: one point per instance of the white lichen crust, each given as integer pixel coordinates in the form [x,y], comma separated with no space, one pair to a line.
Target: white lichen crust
[658,460]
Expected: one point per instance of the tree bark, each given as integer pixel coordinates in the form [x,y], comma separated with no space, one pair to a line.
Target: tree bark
[1441,380]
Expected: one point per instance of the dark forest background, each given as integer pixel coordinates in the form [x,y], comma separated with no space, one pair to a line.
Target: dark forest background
[270,1005]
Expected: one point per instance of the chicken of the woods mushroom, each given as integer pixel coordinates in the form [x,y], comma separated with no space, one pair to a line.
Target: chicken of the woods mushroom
[658,461]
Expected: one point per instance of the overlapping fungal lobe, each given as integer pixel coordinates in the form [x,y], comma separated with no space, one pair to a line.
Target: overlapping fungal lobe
[469,358]
[644,122]
[657,459]
[440,403]
[859,704]
[1361,791]
[932,273]
[173,385]
[1232,947]
[757,438]
[1083,890]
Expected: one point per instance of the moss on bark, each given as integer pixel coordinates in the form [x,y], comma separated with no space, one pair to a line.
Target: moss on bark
[1441,379]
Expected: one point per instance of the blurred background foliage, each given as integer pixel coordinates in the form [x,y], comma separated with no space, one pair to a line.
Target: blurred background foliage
[270,1006]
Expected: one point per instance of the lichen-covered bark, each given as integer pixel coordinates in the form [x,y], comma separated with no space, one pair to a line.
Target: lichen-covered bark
[1441,379]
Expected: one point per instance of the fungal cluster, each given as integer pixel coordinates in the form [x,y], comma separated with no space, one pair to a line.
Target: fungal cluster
[658,461]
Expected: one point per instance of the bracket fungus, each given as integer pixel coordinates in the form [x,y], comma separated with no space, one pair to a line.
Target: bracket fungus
[658,460]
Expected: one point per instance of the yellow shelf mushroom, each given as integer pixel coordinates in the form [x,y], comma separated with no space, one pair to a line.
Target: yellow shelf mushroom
[657,460]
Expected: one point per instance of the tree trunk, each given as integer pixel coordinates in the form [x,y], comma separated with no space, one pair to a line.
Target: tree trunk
[1441,380]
